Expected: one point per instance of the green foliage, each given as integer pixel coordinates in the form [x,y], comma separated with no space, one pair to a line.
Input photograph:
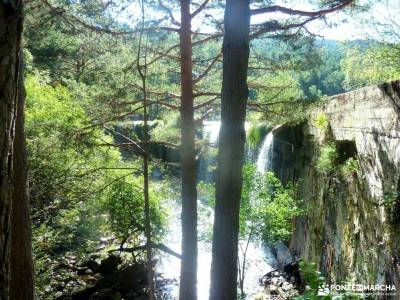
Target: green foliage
[350,167]
[314,282]
[391,201]
[274,76]
[256,134]
[65,166]
[321,122]
[205,209]
[326,77]
[206,193]
[311,275]
[267,207]
[326,162]
[280,98]
[391,198]
[315,285]
[124,203]
[76,183]
[169,129]
[375,64]
[51,110]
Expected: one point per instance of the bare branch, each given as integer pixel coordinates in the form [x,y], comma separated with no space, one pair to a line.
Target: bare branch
[170,14]
[208,69]
[204,116]
[199,9]
[200,94]
[158,246]
[289,11]
[275,26]
[208,102]
[126,138]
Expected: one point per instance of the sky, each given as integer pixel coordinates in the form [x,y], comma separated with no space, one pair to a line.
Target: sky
[337,26]
[344,26]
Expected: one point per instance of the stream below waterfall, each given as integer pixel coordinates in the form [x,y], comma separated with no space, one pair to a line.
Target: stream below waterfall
[259,258]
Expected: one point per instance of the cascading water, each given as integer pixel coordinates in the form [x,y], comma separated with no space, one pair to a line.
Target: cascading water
[210,135]
[264,160]
[211,131]
[259,258]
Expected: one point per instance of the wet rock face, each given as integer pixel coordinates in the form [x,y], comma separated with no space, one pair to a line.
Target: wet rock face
[287,149]
[352,228]
[281,284]
[282,254]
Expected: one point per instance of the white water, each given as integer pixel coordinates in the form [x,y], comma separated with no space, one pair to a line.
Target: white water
[211,131]
[264,160]
[170,266]
[259,258]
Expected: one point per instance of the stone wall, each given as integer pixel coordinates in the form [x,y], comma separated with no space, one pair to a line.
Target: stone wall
[352,229]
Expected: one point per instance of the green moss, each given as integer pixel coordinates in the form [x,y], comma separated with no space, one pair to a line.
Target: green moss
[321,122]
[256,134]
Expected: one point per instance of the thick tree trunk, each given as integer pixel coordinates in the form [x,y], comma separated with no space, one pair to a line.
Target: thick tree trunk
[231,151]
[188,280]
[11,18]
[21,285]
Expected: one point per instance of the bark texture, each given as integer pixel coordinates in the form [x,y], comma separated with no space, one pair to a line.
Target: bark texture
[187,290]
[231,150]
[21,285]
[11,17]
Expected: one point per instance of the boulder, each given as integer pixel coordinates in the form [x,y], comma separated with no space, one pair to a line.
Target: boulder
[282,254]
[109,265]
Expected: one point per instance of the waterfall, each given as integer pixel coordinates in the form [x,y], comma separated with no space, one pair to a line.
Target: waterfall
[211,131]
[264,160]
[210,137]
[259,258]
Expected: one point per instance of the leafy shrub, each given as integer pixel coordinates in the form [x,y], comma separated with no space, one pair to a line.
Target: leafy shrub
[315,283]
[72,177]
[124,202]
[61,154]
[350,167]
[327,158]
[267,207]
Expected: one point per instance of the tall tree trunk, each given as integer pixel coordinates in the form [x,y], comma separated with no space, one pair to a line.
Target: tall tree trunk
[231,150]
[150,276]
[11,18]
[21,285]
[142,70]
[187,290]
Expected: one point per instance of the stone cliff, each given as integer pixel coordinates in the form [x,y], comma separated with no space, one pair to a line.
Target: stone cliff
[352,226]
